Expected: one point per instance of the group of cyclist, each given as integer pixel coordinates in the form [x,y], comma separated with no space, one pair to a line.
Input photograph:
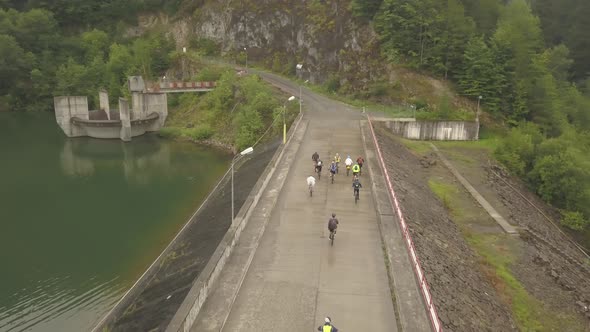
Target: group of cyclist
[357,168]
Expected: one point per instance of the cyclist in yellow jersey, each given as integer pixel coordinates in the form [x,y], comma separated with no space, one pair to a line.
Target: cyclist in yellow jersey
[327,327]
[337,160]
[355,170]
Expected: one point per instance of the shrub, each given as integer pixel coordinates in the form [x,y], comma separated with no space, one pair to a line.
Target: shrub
[170,132]
[199,133]
[574,220]
[517,151]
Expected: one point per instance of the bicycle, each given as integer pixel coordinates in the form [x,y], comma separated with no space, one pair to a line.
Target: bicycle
[332,177]
[347,170]
[319,171]
[356,195]
[332,236]
[310,190]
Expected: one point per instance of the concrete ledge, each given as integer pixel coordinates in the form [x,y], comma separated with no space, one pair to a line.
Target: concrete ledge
[191,306]
[478,197]
[408,301]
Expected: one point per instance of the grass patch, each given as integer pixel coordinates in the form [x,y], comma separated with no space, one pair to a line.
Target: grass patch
[445,192]
[496,256]
[198,133]
[419,147]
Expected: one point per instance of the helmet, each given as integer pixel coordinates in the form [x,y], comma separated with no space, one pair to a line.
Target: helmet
[327,320]
[333,215]
[347,156]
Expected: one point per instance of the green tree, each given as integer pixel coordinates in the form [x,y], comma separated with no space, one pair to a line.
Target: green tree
[481,74]
[96,44]
[365,9]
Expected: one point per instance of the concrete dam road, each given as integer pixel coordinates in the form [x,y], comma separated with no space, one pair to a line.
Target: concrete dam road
[296,278]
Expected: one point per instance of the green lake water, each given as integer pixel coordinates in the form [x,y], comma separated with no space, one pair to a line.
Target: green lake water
[81,219]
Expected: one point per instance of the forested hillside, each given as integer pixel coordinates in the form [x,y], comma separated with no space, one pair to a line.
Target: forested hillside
[50,48]
[529,65]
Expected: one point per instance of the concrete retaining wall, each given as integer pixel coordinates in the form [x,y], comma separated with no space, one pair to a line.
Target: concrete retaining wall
[434,130]
[68,107]
[190,308]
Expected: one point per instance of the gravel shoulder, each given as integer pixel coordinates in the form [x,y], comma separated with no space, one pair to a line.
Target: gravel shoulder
[481,278]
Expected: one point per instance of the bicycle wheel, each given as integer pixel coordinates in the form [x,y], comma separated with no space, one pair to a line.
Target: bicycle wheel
[356,197]
[332,239]
[332,176]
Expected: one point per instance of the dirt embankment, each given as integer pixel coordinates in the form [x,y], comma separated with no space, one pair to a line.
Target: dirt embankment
[155,306]
[469,293]
[465,299]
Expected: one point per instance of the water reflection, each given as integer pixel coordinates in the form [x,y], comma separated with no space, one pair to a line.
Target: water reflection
[79,157]
[82,218]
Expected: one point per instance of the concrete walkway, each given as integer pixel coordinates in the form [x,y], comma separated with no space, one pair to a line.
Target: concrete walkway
[295,277]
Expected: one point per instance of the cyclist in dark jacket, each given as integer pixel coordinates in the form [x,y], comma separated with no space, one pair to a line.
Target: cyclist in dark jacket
[356,186]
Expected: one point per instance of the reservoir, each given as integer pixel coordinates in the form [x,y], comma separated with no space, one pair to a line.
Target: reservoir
[81,219]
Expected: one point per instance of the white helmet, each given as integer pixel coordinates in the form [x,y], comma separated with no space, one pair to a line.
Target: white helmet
[327,320]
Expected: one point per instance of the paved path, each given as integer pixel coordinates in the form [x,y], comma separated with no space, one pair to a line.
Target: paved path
[295,278]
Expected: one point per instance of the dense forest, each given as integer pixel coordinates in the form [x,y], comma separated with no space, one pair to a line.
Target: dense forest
[529,65]
[528,60]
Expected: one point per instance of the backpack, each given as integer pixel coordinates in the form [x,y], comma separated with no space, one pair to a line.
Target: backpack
[356,185]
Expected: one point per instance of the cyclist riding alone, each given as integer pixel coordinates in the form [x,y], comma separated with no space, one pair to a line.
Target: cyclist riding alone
[333,168]
[356,186]
[332,224]
[327,327]
[360,161]
[356,169]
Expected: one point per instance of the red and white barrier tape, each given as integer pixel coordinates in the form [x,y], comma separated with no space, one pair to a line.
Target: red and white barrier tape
[433,315]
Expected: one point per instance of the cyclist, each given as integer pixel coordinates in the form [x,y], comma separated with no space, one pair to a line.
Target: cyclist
[356,186]
[356,169]
[337,160]
[333,169]
[318,166]
[348,163]
[310,183]
[360,161]
[332,225]
[327,327]
[315,157]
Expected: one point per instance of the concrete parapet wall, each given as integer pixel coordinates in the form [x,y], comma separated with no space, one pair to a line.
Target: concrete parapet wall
[190,308]
[67,107]
[434,130]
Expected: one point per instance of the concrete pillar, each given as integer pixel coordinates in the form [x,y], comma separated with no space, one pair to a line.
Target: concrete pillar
[138,105]
[156,103]
[103,99]
[67,107]
[125,120]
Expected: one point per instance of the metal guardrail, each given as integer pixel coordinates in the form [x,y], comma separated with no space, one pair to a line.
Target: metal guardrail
[421,277]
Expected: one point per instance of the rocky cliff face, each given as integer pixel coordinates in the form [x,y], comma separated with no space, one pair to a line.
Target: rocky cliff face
[320,35]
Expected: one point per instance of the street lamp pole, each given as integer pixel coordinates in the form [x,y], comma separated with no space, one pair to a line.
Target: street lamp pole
[246,51]
[284,122]
[477,119]
[233,161]
[413,111]
[299,67]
